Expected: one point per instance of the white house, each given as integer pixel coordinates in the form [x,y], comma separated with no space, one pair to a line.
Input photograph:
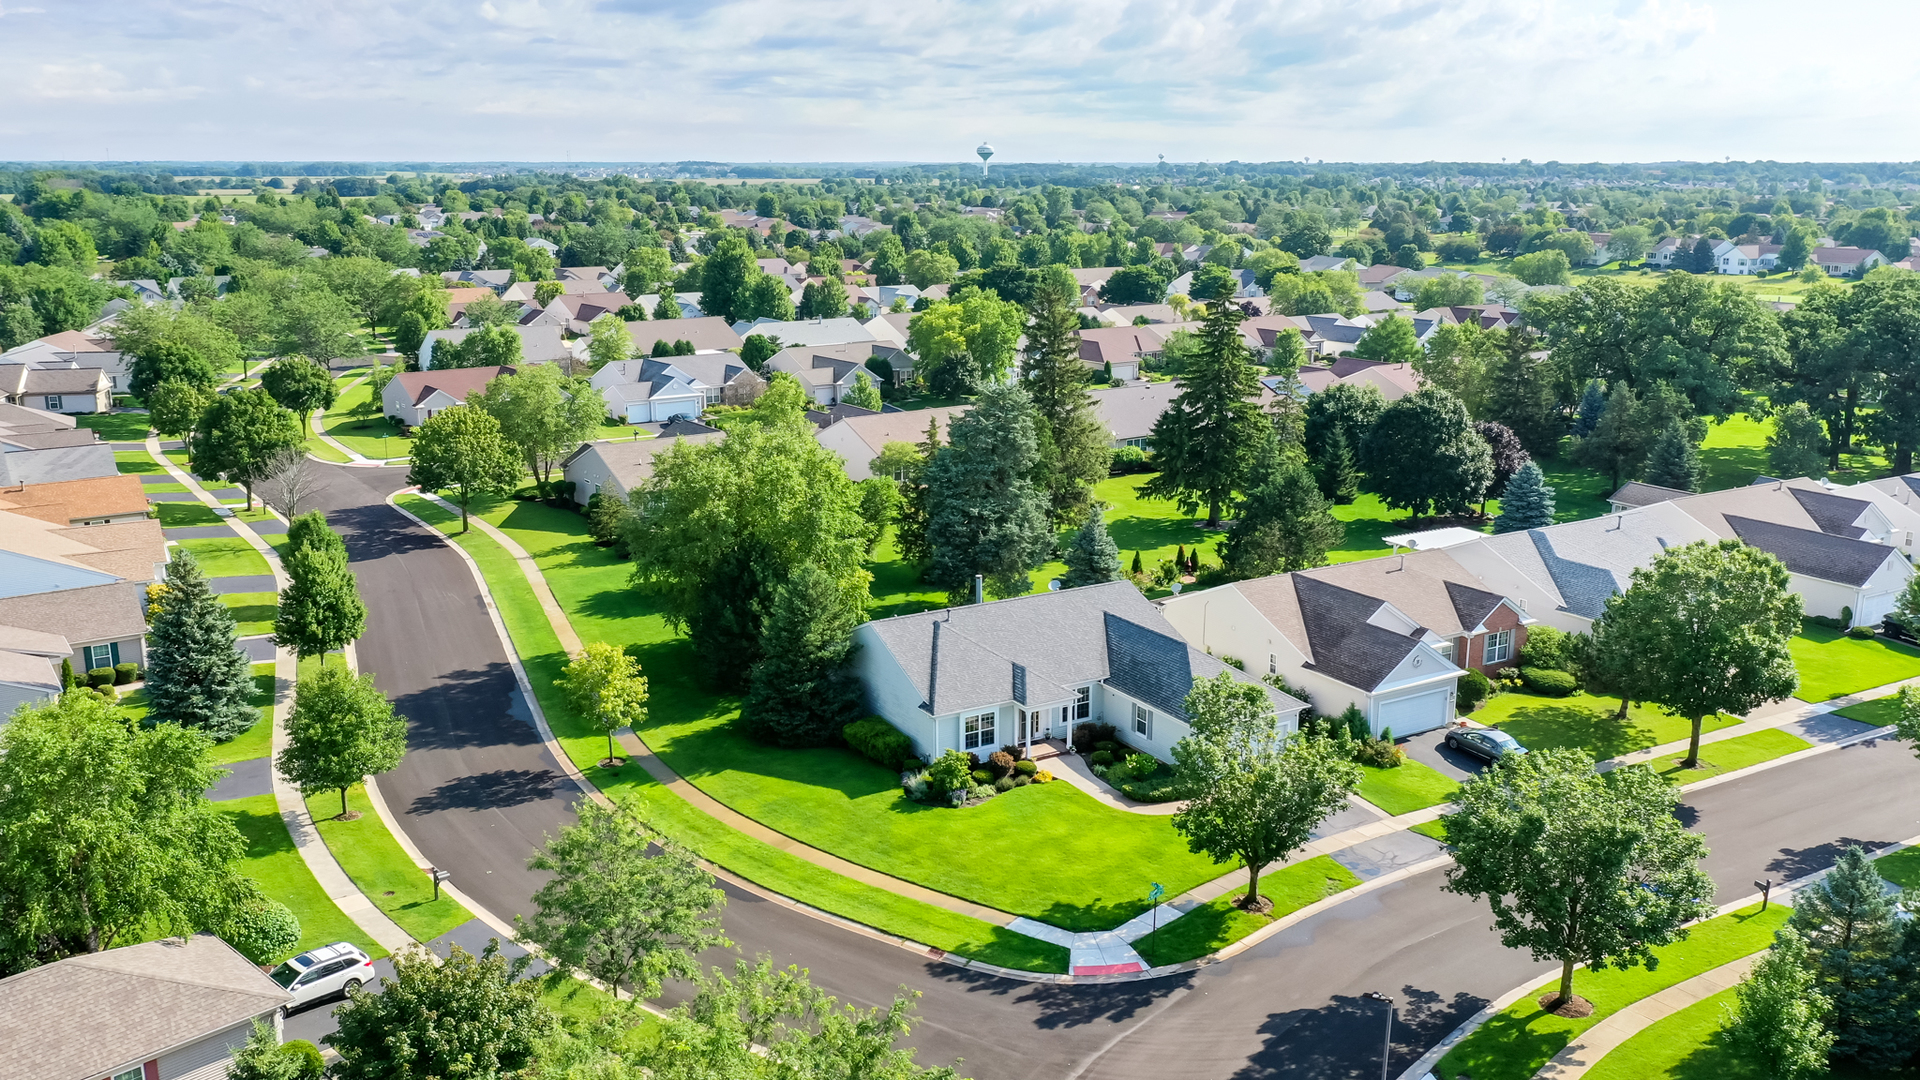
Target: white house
[648,390]
[1845,261]
[617,466]
[1017,671]
[412,397]
[1733,258]
[1389,636]
[538,344]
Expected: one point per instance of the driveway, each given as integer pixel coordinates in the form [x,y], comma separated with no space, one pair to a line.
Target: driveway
[1429,748]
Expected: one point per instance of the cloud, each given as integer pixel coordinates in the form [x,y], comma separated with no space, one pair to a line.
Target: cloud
[1044,79]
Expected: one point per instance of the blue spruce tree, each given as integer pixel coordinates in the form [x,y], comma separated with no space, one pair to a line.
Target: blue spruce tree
[1528,502]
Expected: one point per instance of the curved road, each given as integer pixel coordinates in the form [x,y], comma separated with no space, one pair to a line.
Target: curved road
[478,790]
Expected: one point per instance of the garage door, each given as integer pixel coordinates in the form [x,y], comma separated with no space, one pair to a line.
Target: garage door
[1874,608]
[1418,712]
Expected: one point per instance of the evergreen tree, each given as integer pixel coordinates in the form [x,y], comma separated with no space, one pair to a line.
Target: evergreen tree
[196,676]
[1207,440]
[321,610]
[1779,1025]
[1076,443]
[1853,946]
[1798,446]
[910,522]
[1593,404]
[1286,524]
[984,514]
[1092,557]
[1673,462]
[1520,394]
[1139,567]
[1616,444]
[802,690]
[1528,502]
[1335,470]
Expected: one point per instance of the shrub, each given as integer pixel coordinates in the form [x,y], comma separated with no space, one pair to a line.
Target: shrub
[948,773]
[1004,784]
[100,676]
[1827,621]
[263,930]
[1043,777]
[1101,758]
[310,1065]
[1025,768]
[1129,459]
[1109,745]
[1355,723]
[916,787]
[1379,753]
[125,673]
[982,776]
[1087,736]
[999,763]
[1141,765]
[1473,691]
[1861,633]
[980,792]
[877,740]
[1151,791]
[1547,647]
[1547,681]
[913,764]
[1846,616]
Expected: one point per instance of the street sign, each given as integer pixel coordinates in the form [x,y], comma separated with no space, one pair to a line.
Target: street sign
[1154,894]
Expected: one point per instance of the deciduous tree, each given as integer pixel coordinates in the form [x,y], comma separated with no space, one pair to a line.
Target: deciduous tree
[321,609]
[604,685]
[239,436]
[609,341]
[301,386]
[470,1016]
[543,414]
[1424,456]
[1779,1023]
[174,407]
[342,730]
[1578,866]
[1797,447]
[462,448]
[1392,340]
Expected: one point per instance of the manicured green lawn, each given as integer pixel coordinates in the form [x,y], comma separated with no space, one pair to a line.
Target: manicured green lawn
[136,461]
[1879,712]
[256,741]
[168,488]
[1578,492]
[355,427]
[226,557]
[275,863]
[1902,867]
[1580,719]
[253,611]
[321,450]
[1736,451]
[1437,829]
[116,427]
[580,572]
[1412,786]
[1684,1046]
[1516,1043]
[1727,755]
[1832,665]
[174,515]
[374,860]
[1217,923]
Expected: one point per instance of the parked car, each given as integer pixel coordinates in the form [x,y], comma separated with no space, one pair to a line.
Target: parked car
[1487,744]
[322,973]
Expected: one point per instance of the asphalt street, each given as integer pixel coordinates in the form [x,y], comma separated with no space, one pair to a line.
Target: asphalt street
[478,791]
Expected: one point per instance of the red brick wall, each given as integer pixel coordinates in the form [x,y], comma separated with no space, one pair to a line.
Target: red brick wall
[1503,618]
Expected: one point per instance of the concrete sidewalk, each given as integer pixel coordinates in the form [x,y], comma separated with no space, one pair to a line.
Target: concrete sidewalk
[1598,1041]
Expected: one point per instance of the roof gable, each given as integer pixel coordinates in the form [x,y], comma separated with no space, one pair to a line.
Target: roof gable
[1814,554]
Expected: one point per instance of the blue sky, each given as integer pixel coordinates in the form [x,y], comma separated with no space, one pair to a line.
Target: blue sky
[925,80]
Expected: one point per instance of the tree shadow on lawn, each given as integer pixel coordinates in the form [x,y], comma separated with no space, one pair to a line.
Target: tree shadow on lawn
[1547,726]
[1150,534]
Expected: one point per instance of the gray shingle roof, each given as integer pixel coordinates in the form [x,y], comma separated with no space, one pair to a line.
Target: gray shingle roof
[1345,645]
[1635,493]
[1814,554]
[1471,604]
[1835,514]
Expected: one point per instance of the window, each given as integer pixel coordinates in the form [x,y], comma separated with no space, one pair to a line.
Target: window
[1142,721]
[135,1073]
[1083,703]
[1499,646]
[977,731]
[1273,664]
[103,655]
[53,403]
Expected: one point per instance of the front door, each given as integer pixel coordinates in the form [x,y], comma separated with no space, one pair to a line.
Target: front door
[1033,726]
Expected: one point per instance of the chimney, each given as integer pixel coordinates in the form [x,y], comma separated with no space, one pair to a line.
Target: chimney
[979,589]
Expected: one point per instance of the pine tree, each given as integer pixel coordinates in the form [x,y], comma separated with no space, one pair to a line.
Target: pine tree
[1092,558]
[1078,450]
[66,673]
[1852,934]
[1520,394]
[1139,565]
[984,514]
[1338,475]
[802,691]
[321,610]
[1673,462]
[1779,1024]
[1528,502]
[196,676]
[1616,443]
[1593,403]
[1286,524]
[1209,437]
[910,524]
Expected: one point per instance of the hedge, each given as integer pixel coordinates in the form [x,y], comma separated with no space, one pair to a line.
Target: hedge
[875,739]
[1549,682]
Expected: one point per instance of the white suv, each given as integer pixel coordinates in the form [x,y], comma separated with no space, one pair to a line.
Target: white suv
[322,973]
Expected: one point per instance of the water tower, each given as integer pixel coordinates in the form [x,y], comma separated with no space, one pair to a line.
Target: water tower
[985,153]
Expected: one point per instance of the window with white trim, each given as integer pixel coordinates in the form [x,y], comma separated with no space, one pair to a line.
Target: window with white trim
[1142,721]
[1499,647]
[53,403]
[976,731]
[1273,663]
[1083,703]
[135,1073]
[99,656]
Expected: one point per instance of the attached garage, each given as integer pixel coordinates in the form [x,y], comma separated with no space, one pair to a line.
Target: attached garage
[1874,607]
[1415,711]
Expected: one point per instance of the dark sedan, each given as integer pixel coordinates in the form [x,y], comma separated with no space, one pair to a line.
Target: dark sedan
[1487,744]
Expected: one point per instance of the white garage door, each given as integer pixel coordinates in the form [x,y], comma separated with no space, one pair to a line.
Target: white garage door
[1874,608]
[1418,712]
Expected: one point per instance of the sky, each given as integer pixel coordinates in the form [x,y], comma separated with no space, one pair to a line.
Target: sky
[926,80]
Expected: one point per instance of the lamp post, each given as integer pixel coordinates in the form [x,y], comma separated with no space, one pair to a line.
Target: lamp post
[1386,1048]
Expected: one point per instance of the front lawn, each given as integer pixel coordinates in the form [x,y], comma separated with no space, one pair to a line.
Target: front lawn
[1832,665]
[1412,786]
[274,863]
[1686,1045]
[356,421]
[1727,755]
[1516,1043]
[116,427]
[136,461]
[578,572]
[1879,712]
[1580,719]
[253,612]
[180,515]
[320,449]
[256,741]
[1218,923]
[226,556]
[383,871]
